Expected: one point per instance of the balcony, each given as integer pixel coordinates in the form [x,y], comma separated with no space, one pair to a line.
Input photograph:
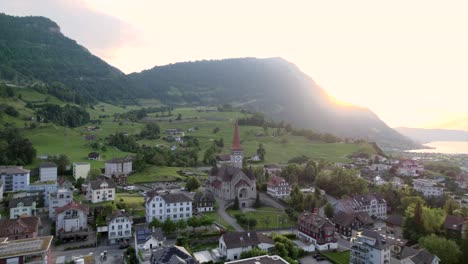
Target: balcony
[360,249]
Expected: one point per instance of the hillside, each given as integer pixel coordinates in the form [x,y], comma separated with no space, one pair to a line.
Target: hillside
[33,50]
[272,86]
[422,135]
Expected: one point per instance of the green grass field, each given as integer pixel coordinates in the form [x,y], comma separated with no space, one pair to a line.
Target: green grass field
[338,257]
[267,217]
[218,219]
[134,201]
[155,173]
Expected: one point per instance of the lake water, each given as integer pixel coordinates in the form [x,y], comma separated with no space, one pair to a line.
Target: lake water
[446,147]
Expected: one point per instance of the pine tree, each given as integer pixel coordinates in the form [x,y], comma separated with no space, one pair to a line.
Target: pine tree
[235,206]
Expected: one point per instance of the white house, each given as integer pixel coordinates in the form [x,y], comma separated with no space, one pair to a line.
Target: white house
[148,238]
[22,206]
[81,170]
[48,171]
[421,256]
[428,187]
[410,168]
[278,187]
[370,247]
[203,201]
[371,204]
[265,259]
[100,190]
[59,199]
[14,178]
[119,227]
[118,166]
[175,206]
[397,183]
[231,245]
[71,218]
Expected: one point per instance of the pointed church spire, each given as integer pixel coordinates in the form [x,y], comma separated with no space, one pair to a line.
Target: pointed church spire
[236,141]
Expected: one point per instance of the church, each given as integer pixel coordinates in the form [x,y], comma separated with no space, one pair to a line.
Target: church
[229,181]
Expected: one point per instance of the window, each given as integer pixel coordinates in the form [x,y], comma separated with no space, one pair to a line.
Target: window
[168,210]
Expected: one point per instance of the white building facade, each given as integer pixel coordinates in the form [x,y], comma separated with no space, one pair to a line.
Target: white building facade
[231,245]
[119,227]
[373,205]
[369,247]
[59,199]
[22,206]
[118,166]
[14,178]
[278,187]
[81,170]
[100,191]
[71,218]
[48,171]
[428,187]
[175,206]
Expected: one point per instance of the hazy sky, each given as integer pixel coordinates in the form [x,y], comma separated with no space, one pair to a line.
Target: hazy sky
[406,60]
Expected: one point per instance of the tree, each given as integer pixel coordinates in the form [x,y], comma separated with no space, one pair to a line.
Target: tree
[451,206]
[261,152]
[150,131]
[192,184]
[169,226]
[329,210]
[94,173]
[257,203]
[179,116]
[181,224]
[447,250]
[62,161]
[253,253]
[79,182]
[155,223]
[206,221]
[193,222]
[235,206]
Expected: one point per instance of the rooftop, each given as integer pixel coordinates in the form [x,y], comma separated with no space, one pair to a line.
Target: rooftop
[120,160]
[12,170]
[27,246]
[245,239]
[48,165]
[260,260]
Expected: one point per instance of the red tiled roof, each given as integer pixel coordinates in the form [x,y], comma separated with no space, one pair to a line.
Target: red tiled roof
[274,181]
[23,224]
[217,184]
[236,141]
[72,205]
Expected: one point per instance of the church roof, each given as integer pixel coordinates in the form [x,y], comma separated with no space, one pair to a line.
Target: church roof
[236,141]
[242,182]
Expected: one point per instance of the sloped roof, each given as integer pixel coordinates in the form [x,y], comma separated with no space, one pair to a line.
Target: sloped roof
[96,184]
[236,140]
[454,222]
[120,160]
[274,181]
[217,184]
[26,200]
[245,239]
[72,205]
[346,219]
[396,220]
[241,183]
[12,170]
[204,195]
[314,219]
[118,213]
[164,255]
[223,157]
[28,224]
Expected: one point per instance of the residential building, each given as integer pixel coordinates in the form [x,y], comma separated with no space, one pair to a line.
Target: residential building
[174,131]
[394,225]
[48,171]
[59,199]
[373,205]
[71,221]
[63,183]
[421,256]
[1,190]
[81,170]
[148,238]
[24,206]
[397,183]
[369,246]
[43,187]
[346,222]
[171,255]
[273,168]
[20,228]
[118,166]
[161,206]
[229,181]
[29,250]
[454,226]
[265,259]
[462,180]
[100,190]
[410,168]
[278,187]
[428,187]
[316,230]
[14,178]
[203,202]
[232,244]
[119,227]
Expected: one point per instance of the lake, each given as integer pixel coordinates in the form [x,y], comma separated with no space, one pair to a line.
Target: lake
[446,147]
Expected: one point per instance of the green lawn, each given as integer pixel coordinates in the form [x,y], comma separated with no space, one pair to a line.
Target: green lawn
[338,257]
[218,219]
[135,201]
[155,173]
[267,217]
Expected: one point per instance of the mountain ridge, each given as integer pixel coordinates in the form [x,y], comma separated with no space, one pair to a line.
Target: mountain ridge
[423,135]
[32,50]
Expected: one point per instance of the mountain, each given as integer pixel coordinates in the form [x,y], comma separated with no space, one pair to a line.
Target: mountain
[272,86]
[33,50]
[422,135]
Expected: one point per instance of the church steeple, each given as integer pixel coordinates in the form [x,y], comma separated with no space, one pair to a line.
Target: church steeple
[237,152]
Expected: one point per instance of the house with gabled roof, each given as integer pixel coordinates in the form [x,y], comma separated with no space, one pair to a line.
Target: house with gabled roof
[160,205]
[119,227]
[203,202]
[316,230]
[278,187]
[20,228]
[71,221]
[100,190]
[345,222]
[232,244]
[171,255]
[23,206]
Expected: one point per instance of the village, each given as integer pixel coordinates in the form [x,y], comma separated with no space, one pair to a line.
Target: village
[237,214]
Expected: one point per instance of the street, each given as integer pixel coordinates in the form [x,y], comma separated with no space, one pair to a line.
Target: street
[114,254]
